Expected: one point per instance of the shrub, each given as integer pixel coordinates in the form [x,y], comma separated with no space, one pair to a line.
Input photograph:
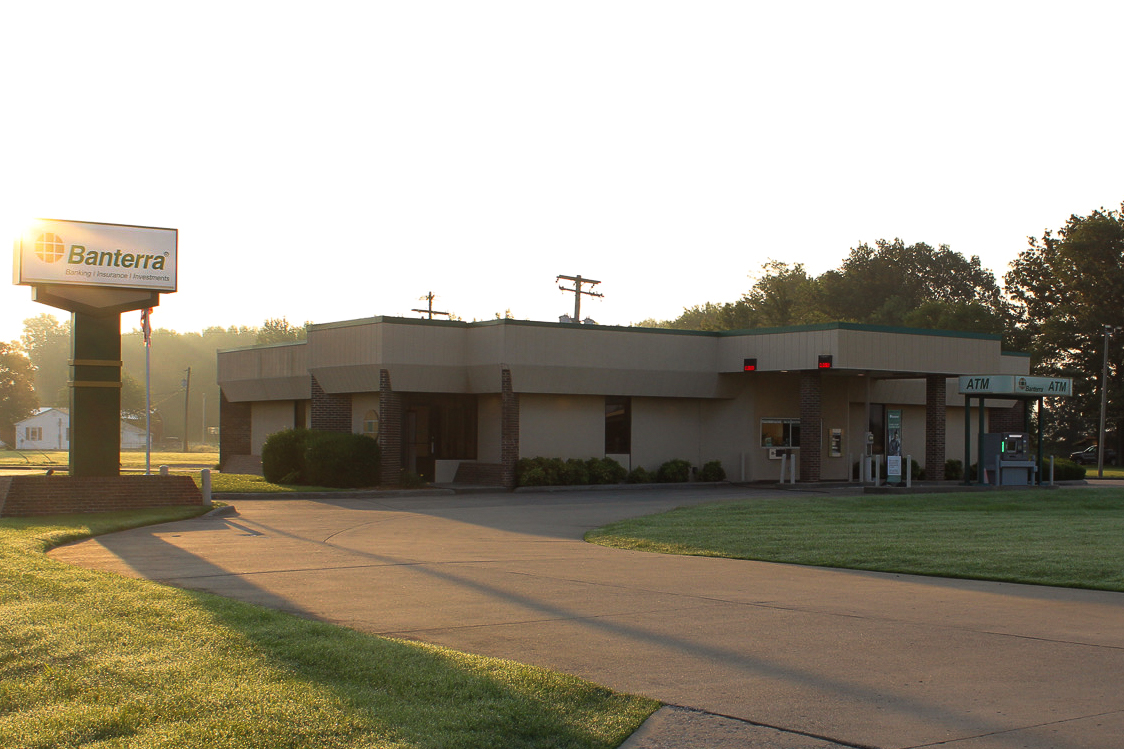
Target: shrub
[533,475]
[674,471]
[555,470]
[605,471]
[712,471]
[411,480]
[342,460]
[282,456]
[639,475]
[575,473]
[953,469]
[1064,470]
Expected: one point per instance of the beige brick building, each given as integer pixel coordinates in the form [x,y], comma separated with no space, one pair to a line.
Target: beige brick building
[454,400]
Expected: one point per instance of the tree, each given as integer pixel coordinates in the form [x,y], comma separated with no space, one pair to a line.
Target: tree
[884,283]
[783,295]
[1067,286]
[278,330]
[47,343]
[887,284]
[17,396]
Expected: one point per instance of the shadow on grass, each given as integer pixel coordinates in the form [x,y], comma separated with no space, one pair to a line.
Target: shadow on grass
[294,681]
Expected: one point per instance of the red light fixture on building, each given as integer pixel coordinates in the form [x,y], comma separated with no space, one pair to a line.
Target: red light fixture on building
[749,365]
[825,361]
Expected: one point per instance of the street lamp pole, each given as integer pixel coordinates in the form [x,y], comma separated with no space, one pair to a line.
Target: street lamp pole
[1109,331]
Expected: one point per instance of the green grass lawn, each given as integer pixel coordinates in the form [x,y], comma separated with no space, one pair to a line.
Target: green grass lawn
[130,459]
[1065,537]
[94,659]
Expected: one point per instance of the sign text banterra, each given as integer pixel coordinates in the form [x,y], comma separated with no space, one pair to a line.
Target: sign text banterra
[85,253]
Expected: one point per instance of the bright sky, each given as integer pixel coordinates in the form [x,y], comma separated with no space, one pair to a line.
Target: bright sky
[339,160]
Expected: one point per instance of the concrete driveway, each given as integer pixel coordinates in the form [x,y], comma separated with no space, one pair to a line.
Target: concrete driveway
[761,655]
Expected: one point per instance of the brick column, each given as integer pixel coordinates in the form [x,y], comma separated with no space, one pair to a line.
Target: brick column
[235,424]
[330,412]
[936,420]
[811,418]
[390,431]
[509,437]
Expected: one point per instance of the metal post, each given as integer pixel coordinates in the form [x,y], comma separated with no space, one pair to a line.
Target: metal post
[186,396]
[1109,331]
[1041,430]
[908,471]
[980,448]
[967,478]
[784,457]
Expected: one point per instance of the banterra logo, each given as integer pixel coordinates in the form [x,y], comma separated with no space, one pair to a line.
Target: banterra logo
[50,249]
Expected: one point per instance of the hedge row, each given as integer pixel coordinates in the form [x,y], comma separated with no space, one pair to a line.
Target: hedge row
[310,458]
[575,472]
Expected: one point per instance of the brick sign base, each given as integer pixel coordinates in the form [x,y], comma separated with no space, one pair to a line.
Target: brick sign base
[25,496]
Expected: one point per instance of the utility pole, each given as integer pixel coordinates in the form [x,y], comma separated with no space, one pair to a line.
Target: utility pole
[430,311]
[186,396]
[1109,332]
[578,291]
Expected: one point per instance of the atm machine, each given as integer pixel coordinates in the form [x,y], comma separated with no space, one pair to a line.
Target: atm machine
[1007,459]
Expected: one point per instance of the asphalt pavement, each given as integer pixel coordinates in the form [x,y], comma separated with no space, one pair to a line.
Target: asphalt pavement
[744,654]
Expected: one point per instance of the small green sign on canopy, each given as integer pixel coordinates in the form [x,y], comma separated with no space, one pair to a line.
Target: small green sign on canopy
[1016,386]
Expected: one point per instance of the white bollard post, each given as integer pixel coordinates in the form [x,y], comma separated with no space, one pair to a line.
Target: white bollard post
[206,481]
[783,459]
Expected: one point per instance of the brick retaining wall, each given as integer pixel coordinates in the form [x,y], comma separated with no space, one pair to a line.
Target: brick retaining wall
[26,496]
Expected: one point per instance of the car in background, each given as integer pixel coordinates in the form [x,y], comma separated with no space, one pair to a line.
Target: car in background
[1088,456]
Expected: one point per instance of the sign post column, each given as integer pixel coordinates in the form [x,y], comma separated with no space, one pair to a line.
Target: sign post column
[95,395]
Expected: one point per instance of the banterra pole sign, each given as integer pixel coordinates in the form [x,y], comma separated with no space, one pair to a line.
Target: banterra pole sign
[82,253]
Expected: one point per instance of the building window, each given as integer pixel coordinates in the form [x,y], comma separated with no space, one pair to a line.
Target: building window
[618,425]
[33,434]
[780,433]
[371,424]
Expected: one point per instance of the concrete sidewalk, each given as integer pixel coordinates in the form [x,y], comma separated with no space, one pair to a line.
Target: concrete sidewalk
[747,654]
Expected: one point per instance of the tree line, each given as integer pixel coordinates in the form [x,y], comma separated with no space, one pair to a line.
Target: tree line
[35,371]
[1054,303]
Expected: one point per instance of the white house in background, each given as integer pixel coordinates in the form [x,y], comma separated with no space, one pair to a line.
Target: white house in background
[49,429]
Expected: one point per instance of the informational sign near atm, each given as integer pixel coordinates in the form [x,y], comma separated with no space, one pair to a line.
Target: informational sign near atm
[894,471]
[96,271]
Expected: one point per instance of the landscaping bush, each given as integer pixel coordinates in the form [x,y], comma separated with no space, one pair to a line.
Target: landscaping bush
[282,456]
[342,460]
[575,473]
[639,475]
[1064,470]
[605,471]
[953,469]
[674,471]
[712,471]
